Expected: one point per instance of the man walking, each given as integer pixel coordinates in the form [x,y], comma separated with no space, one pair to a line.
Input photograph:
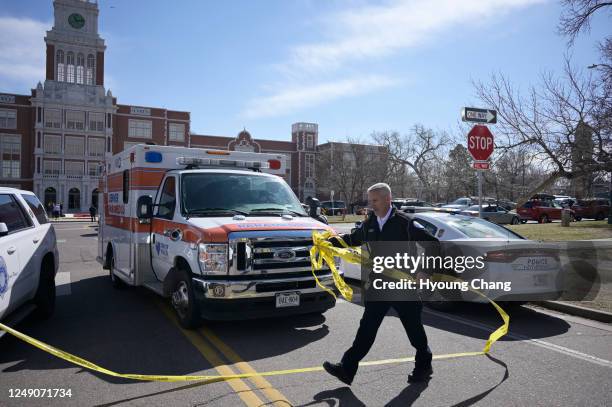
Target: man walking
[385,224]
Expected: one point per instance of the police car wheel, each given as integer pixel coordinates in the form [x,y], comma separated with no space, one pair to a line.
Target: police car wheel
[45,294]
[183,302]
[116,282]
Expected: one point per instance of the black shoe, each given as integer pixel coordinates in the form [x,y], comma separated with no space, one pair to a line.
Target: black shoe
[336,370]
[420,374]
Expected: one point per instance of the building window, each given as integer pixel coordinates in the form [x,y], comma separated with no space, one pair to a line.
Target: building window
[309,167]
[59,59]
[70,67]
[39,114]
[109,121]
[75,119]
[74,168]
[177,132]
[80,69]
[53,118]
[96,147]
[52,167]
[91,64]
[53,144]
[10,156]
[8,119]
[140,128]
[94,169]
[75,146]
[96,121]
[309,141]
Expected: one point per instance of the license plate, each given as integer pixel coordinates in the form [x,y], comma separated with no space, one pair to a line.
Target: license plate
[534,263]
[287,299]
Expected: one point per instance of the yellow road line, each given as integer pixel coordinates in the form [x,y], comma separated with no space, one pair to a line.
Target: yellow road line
[275,396]
[238,385]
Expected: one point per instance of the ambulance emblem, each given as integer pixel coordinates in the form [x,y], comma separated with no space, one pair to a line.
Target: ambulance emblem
[3,277]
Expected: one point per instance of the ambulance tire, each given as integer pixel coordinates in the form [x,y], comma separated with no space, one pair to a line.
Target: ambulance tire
[183,301]
[45,294]
[116,282]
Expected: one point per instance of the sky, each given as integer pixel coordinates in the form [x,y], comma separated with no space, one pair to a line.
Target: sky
[352,66]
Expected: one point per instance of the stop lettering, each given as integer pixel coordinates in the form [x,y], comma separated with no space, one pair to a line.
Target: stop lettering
[480,142]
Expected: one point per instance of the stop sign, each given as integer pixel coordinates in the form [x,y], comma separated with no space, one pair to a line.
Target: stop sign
[480,142]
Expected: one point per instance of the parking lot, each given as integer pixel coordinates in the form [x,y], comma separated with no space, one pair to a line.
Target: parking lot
[133,331]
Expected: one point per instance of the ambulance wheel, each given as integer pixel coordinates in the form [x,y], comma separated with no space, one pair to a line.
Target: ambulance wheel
[183,301]
[116,282]
[45,294]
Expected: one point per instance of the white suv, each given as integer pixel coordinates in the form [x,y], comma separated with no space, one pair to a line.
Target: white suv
[28,255]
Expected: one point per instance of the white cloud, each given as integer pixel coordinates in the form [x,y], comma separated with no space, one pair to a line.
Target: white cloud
[364,33]
[22,52]
[297,97]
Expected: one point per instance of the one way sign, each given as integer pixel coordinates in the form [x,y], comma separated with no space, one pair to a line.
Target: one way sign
[473,114]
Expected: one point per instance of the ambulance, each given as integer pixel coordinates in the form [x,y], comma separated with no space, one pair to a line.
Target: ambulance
[219,233]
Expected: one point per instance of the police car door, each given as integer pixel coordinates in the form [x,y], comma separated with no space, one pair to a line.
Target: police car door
[11,244]
[164,229]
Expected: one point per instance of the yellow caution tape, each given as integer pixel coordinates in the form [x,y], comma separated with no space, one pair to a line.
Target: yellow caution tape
[322,251]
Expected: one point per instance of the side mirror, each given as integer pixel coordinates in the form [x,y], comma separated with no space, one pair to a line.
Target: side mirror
[144,207]
[3,229]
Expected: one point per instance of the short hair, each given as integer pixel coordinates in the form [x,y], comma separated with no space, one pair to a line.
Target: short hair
[381,187]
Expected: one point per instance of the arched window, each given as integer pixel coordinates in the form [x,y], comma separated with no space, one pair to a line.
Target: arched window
[80,69]
[91,65]
[70,67]
[59,60]
[74,199]
[50,196]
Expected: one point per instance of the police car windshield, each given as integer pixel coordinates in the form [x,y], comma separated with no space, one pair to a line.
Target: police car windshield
[242,193]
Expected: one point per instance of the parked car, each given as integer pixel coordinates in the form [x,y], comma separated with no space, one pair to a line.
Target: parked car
[494,213]
[541,211]
[533,268]
[333,208]
[460,203]
[28,257]
[596,209]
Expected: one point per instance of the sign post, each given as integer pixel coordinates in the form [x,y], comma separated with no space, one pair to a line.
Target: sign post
[480,146]
[331,196]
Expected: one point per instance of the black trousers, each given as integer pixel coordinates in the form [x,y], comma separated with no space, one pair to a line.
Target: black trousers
[409,313]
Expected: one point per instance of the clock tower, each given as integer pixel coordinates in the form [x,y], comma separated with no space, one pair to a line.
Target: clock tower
[74,113]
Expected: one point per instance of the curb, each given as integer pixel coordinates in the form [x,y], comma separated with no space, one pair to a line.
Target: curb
[71,221]
[577,310]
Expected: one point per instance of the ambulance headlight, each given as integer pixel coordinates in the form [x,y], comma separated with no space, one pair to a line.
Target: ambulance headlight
[213,258]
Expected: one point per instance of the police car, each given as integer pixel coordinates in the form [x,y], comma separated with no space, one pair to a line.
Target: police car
[28,257]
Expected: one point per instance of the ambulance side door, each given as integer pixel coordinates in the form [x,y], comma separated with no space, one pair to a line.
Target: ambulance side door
[164,230]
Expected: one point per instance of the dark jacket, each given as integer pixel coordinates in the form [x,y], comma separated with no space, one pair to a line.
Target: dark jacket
[398,227]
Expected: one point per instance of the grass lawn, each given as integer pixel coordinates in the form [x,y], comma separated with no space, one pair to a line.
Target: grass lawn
[583,230]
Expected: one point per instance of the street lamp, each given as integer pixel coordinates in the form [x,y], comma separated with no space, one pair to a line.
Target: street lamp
[593,66]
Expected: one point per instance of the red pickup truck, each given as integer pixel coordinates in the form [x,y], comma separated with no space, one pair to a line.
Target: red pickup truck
[596,209]
[541,211]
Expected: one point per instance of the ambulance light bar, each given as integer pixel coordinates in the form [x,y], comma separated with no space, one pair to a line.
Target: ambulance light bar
[199,162]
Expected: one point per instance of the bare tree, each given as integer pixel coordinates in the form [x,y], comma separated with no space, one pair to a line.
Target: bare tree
[577,16]
[415,150]
[556,120]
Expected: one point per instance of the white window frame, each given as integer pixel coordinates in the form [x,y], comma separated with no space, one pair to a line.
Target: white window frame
[53,124]
[140,128]
[10,144]
[96,167]
[96,125]
[309,165]
[52,167]
[75,119]
[176,131]
[74,168]
[8,119]
[52,144]
[74,145]
[96,147]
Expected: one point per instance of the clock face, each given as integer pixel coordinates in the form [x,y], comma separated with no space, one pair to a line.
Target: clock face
[76,20]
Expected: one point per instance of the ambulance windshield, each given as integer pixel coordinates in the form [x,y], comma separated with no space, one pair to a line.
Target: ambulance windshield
[255,195]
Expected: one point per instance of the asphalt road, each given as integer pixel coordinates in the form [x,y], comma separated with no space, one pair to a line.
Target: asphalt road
[547,359]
